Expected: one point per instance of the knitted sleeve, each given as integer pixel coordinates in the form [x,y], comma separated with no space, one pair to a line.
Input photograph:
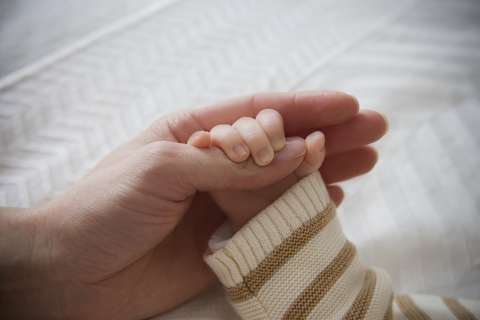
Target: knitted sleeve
[292,261]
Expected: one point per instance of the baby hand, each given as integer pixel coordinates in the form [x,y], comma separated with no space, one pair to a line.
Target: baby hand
[261,138]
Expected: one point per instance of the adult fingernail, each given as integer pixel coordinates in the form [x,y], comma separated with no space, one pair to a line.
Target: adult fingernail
[386,123]
[239,150]
[263,156]
[277,143]
[294,147]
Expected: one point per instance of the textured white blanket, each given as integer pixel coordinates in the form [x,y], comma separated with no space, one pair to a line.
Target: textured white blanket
[417,215]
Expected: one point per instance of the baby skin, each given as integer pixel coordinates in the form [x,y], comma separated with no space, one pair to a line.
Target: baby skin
[258,138]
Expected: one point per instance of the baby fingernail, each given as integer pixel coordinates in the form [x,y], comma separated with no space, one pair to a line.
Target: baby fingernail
[277,143]
[239,150]
[263,156]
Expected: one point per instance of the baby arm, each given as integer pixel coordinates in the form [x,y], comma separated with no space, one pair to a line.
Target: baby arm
[259,138]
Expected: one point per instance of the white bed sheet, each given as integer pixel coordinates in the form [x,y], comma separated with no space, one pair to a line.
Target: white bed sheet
[417,214]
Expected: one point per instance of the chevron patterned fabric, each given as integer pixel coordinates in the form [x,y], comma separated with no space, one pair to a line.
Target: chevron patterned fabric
[416,215]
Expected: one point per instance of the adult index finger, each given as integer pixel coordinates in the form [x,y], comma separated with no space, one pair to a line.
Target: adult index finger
[300,110]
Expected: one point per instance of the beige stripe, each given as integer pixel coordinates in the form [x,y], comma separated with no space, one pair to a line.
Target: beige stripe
[250,309]
[389,314]
[319,287]
[433,306]
[304,267]
[458,310]
[341,296]
[397,313]
[239,293]
[410,309]
[360,306]
[280,255]
[381,299]
[471,305]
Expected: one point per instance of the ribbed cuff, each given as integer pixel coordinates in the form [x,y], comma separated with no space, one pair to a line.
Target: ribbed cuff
[259,237]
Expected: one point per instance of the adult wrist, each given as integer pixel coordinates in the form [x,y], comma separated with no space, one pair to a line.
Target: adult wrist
[29,285]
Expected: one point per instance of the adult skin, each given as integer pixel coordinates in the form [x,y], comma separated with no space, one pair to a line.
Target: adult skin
[127,241]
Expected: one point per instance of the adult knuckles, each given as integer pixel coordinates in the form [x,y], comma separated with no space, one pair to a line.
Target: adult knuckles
[161,152]
[166,165]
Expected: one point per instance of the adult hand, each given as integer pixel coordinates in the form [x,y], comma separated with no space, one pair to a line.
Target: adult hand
[127,241]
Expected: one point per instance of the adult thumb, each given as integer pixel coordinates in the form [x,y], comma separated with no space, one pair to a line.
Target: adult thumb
[187,169]
[127,208]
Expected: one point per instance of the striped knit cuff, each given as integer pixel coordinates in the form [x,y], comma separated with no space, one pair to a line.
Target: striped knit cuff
[260,236]
[292,261]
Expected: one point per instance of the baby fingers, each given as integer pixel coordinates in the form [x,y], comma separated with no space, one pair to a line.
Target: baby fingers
[259,137]
[230,141]
[272,124]
[256,139]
